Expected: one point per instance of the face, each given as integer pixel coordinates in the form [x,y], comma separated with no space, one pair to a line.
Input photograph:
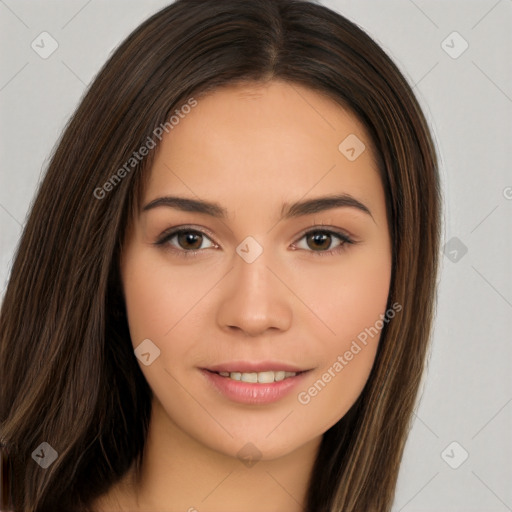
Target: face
[253,300]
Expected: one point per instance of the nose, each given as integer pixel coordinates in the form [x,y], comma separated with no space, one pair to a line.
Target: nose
[253,300]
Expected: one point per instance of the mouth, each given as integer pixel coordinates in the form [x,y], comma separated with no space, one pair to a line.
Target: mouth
[254,383]
[264,377]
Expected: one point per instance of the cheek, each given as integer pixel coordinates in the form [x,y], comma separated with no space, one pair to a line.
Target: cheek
[347,296]
[145,302]
[160,307]
[158,297]
[164,305]
[350,300]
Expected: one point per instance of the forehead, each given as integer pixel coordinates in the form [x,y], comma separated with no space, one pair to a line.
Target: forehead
[258,142]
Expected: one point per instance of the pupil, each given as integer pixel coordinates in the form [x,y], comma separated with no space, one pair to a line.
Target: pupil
[188,238]
[319,238]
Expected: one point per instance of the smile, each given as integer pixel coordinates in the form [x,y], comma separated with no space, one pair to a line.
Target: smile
[254,387]
[265,377]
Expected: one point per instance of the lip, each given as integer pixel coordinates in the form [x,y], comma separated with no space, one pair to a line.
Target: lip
[253,393]
[249,367]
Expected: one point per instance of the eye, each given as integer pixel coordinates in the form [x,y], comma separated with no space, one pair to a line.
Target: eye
[320,241]
[185,241]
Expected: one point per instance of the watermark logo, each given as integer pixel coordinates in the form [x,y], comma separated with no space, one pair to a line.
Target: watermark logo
[249,249]
[45,455]
[249,455]
[455,249]
[454,455]
[352,147]
[147,352]
[454,45]
[44,45]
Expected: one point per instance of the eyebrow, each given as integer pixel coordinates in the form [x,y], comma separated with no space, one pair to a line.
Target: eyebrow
[288,210]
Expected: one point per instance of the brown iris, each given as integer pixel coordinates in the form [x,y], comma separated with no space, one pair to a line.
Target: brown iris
[320,240]
[189,238]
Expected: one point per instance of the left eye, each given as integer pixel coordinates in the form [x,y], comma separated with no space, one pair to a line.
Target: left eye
[321,240]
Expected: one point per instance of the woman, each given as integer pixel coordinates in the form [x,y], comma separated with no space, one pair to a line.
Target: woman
[223,296]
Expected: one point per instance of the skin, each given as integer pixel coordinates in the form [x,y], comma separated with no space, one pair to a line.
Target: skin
[251,148]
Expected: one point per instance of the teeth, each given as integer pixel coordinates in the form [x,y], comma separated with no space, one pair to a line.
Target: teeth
[249,377]
[279,376]
[259,377]
[266,377]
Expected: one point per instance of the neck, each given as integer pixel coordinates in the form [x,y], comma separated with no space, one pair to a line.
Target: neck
[179,473]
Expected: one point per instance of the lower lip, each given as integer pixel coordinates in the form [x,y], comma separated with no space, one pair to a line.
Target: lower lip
[253,393]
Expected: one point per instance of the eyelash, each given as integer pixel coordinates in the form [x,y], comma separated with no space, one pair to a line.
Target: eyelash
[169,234]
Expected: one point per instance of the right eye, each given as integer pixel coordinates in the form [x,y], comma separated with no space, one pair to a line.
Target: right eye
[185,241]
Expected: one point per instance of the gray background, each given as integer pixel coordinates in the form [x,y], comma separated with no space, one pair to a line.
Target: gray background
[467,393]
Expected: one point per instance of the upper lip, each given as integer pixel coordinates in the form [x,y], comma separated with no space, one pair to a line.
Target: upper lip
[250,367]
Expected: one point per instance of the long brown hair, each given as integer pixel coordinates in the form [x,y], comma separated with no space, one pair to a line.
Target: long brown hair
[69,375]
